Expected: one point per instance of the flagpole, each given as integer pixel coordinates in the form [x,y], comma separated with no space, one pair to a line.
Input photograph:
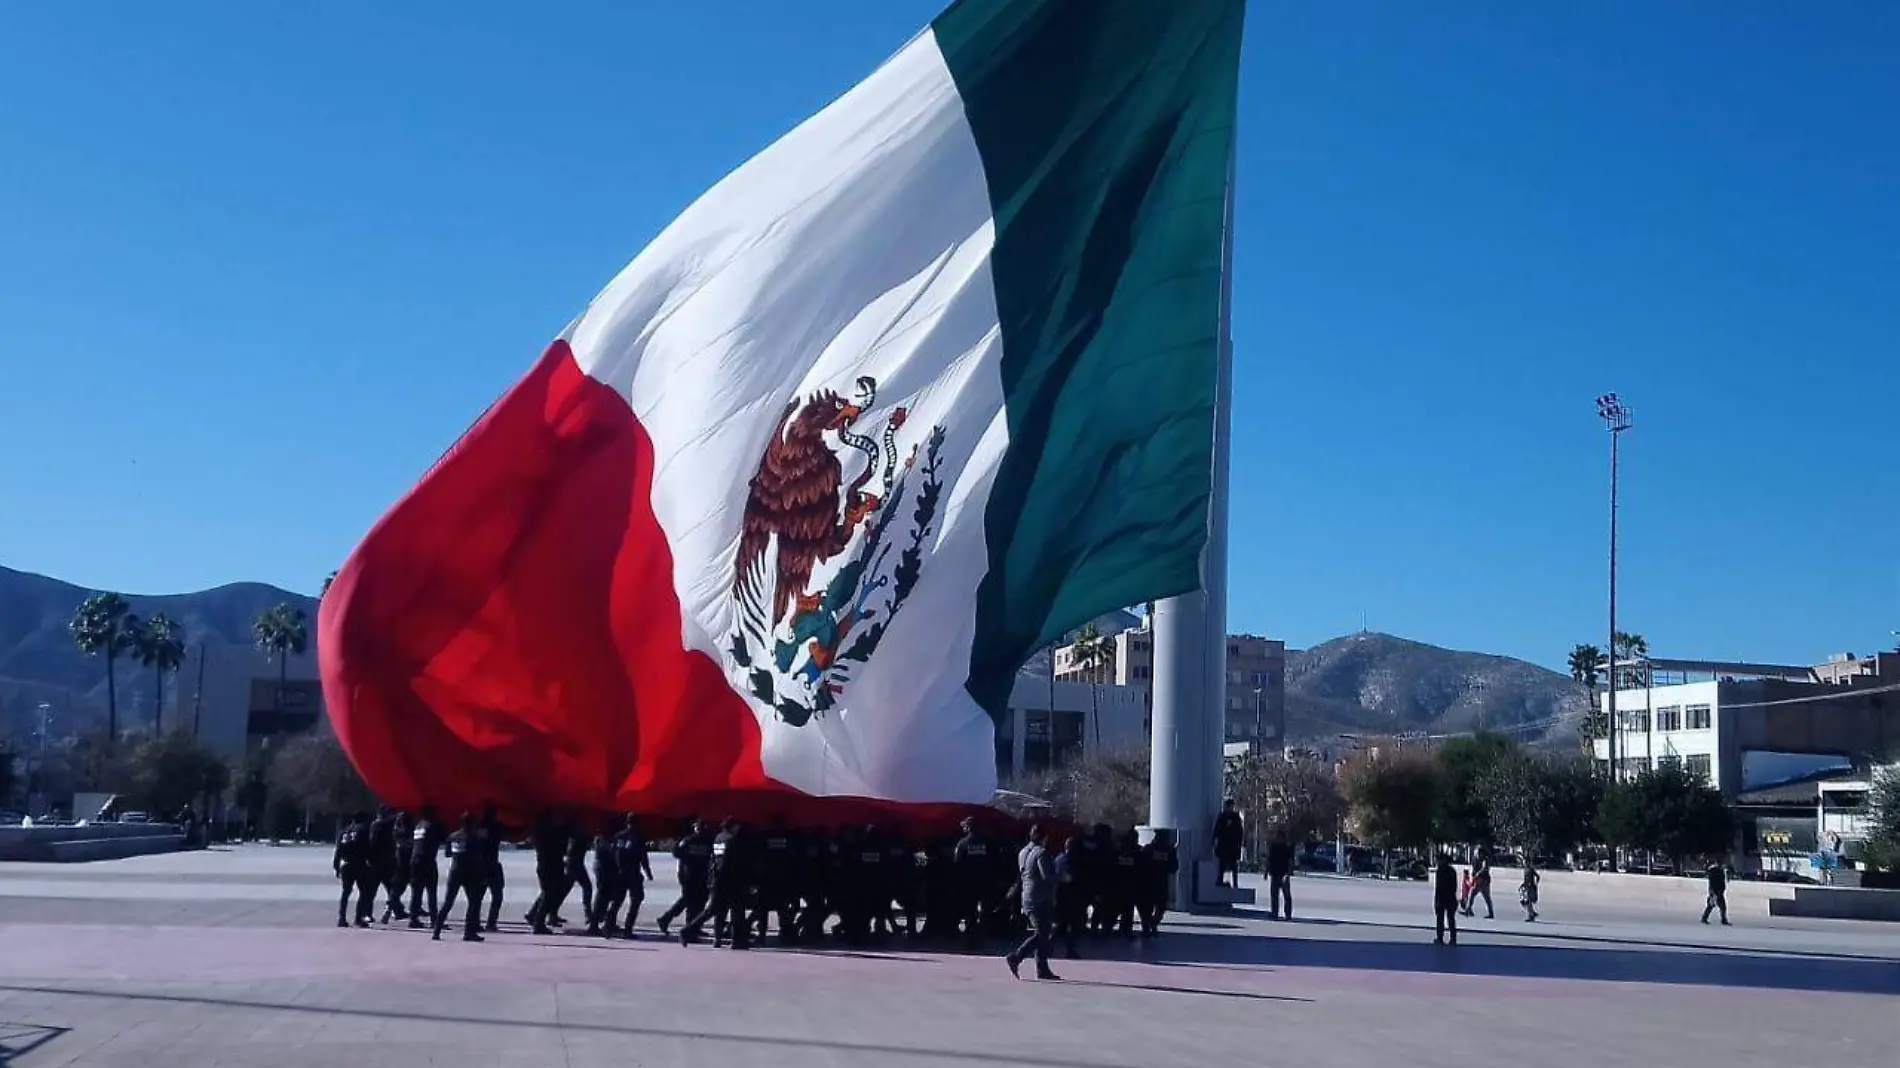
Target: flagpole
[1190,652]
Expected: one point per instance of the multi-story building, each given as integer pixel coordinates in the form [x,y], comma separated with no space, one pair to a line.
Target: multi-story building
[1050,723]
[1749,726]
[1255,702]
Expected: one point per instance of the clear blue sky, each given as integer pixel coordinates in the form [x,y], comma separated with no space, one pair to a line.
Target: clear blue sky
[260,263]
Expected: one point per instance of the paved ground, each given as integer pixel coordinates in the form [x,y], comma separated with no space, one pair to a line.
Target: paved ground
[229,958]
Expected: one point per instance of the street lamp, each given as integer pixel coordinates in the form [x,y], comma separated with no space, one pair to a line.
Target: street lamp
[1616,419]
[1259,746]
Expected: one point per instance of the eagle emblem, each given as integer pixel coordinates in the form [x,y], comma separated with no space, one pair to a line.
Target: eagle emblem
[812,581]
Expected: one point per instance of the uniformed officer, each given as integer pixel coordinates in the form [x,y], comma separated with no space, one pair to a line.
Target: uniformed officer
[550,868]
[578,841]
[423,844]
[351,862]
[1124,884]
[975,869]
[729,880]
[633,870]
[491,836]
[1163,862]
[605,907]
[469,865]
[383,854]
[778,875]
[693,852]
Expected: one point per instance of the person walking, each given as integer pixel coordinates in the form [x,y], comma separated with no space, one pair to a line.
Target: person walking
[1036,873]
[1717,875]
[1445,901]
[469,866]
[1280,876]
[1229,832]
[1527,892]
[1481,888]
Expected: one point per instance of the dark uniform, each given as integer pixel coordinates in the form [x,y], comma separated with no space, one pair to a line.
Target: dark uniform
[425,841]
[778,883]
[1124,884]
[491,835]
[694,856]
[1445,901]
[974,876]
[1071,908]
[1717,875]
[1280,877]
[1229,833]
[470,859]
[728,882]
[384,858]
[632,871]
[351,862]
[606,887]
[1164,861]
[550,871]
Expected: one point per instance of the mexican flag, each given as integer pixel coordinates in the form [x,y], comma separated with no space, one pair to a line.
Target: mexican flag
[772,525]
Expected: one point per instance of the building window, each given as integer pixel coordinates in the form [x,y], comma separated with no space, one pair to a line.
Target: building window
[1636,721]
[1233,648]
[1698,716]
[1263,678]
[1669,719]
[1236,703]
[1700,766]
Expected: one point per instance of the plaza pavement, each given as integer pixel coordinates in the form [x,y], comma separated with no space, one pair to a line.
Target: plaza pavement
[230,957]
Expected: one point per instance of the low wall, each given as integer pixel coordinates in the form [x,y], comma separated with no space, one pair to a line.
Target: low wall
[1745,897]
[1839,903]
[97,841]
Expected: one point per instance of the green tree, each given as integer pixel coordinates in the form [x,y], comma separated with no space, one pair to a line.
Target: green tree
[1300,797]
[8,778]
[328,581]
[98,629]
[313,771]
[1462,815]
[1882,848]
[159,644]
[280,632]
[1669,811]
[1537,802]
[1392,795]
[94,762]
[1093,651]
[166,772]
[1630,647]
[1586,670]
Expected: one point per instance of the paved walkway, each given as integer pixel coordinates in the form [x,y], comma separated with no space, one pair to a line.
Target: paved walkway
[228,958]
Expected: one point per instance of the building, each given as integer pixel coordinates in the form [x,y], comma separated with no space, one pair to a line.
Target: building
[1049,723]
[1751,726]
[1255,703]
[230,696]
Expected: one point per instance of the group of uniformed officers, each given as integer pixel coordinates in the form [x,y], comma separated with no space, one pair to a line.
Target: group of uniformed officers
[867,884]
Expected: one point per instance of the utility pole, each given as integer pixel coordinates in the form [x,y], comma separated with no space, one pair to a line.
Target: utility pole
[1616,419]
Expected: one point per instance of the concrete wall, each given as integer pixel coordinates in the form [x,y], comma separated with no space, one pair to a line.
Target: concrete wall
[1838,903]
[98,841]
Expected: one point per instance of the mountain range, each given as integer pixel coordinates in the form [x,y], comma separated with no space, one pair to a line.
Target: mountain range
[1361,683]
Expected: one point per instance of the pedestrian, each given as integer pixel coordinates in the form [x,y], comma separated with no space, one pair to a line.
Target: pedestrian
[1280,876]
[1229,832]
[351,862]
[550,870]
[633,871]
[972,873]
[490,839]
[469,866]
[1036,878]
[728,880]
[425,841]
[692,853]
[1163,863]
[1445,901]
[1481,887]
[603,913]
[1527,892]
[1467,887]
[383,856]
[1717,875]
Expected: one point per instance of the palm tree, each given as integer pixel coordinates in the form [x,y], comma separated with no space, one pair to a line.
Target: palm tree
[159,644]
[1586,667]
[1630,647]
[327,580]
[98,629]
[1093,651]
[279,631]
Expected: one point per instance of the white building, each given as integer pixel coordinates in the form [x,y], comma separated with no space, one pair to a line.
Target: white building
[1085,716]
[1745,727]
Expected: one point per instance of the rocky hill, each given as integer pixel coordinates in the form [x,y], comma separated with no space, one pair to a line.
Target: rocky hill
[39,663]
[1378,683]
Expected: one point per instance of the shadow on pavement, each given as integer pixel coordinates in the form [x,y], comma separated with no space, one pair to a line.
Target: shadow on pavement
[776,1041]
[1187,990]
[20,1039]
[1702,967]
